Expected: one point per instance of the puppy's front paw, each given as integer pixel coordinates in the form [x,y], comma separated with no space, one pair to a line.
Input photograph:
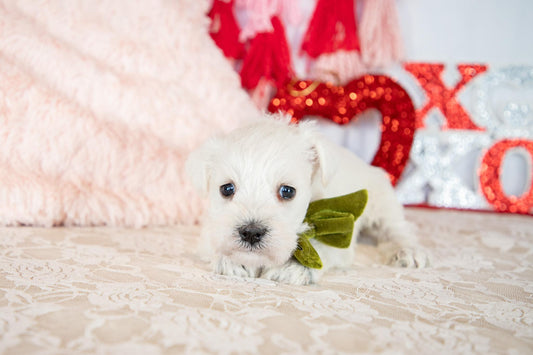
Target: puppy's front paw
[292,273]
[409,258]
[227,267]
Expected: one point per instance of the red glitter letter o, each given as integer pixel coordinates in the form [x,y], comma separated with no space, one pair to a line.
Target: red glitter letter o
[489,177]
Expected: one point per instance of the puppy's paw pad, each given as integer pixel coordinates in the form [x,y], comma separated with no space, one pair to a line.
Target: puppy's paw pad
[409,258]
[228,268]
[290,273]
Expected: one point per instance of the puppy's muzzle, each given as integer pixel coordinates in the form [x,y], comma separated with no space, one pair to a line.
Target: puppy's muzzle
[252,233]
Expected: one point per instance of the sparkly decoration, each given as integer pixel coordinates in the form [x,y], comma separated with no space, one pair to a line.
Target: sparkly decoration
[489,177]
[458,165]
[441,97]
[501,103]
[462,168]
[341,103]
[433,176]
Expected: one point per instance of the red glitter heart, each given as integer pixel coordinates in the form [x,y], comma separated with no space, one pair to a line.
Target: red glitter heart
[342,103]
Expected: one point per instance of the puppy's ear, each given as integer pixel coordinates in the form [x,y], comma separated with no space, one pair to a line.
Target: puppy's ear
[321,164]
[324,164]
[199,165]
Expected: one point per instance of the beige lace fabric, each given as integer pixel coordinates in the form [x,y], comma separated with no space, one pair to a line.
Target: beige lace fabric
[120,291]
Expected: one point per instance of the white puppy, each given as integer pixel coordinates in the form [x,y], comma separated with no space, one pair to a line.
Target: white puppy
[259,181]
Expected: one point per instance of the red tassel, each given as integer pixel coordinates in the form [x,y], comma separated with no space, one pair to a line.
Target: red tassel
[268,57]
[332,27]
[224,29]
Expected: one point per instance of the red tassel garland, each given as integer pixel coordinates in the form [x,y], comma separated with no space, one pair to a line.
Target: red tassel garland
[268,57]
[224,29]
[332,27]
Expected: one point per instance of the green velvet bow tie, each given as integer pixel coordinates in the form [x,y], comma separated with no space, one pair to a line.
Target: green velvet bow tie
[331,222]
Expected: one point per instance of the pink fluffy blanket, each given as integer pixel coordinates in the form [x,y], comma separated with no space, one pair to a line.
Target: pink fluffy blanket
[100,103]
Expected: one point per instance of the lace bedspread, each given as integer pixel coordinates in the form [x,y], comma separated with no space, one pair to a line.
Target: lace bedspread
[119,291]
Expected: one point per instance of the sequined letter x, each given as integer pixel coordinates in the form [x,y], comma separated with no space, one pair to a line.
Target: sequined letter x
[441,97]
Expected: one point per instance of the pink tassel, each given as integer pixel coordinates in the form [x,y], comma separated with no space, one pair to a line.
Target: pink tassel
[339,67]
[379,33]
[262,94]
[259,13]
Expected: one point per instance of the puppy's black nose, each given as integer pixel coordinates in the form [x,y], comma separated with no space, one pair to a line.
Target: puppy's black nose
[252,233]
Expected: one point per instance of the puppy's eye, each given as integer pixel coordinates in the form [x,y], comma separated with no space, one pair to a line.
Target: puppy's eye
[227,190]
[286,192]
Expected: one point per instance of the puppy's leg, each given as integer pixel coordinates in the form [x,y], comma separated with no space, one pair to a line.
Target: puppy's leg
[292,272]
[395,236]
[399,246]
[225,266]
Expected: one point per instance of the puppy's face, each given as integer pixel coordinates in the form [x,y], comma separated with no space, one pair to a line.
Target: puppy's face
[258,181]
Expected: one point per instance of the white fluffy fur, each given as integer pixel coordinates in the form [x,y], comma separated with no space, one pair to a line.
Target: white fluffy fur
[258,159]
[101,102]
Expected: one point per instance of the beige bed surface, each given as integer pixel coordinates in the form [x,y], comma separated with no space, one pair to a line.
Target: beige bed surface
[119,291]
